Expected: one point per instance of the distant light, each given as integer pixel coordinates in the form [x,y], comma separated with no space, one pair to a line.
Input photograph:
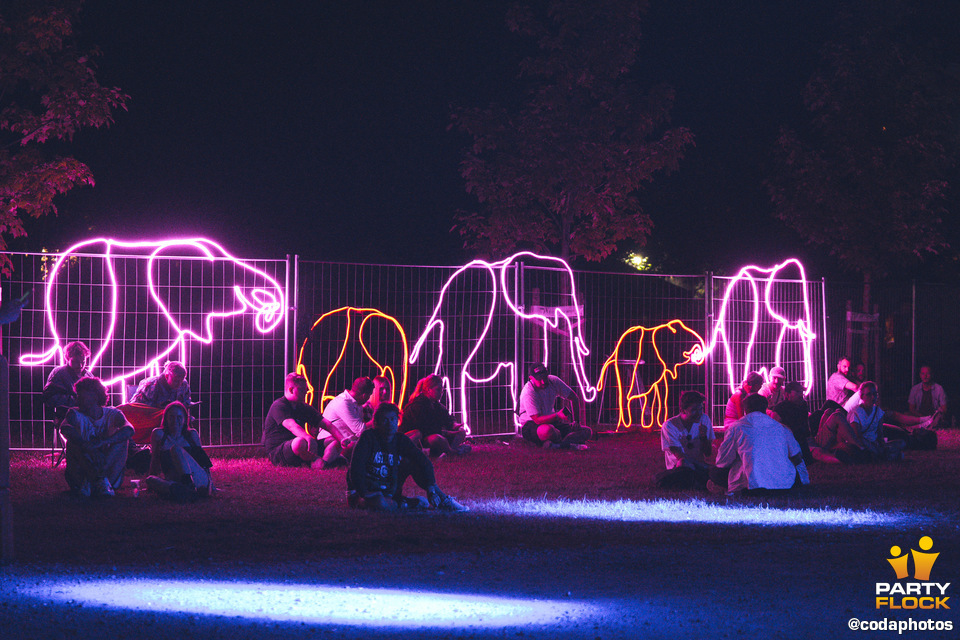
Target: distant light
[693,511]
[638,262]
[315,604]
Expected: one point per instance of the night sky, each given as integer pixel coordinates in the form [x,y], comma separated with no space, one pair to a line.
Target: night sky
[320,128]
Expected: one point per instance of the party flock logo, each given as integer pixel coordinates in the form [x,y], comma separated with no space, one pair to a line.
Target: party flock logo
[918,593]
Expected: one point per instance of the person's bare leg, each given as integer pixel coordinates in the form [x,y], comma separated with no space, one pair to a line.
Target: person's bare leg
[304,449]
[548,433]
[438,445]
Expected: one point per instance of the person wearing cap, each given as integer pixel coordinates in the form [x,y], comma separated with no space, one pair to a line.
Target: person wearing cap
[541,423]
[773,389]
[734,410]
[792,412]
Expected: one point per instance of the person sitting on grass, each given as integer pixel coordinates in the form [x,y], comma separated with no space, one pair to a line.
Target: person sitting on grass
[285,437]
[175,451]
[735,409]
[58,394]
[793,414]
[429,424]
[383,460]
[145,409]
[541,423]
[769,456]
[774,390]
[96,438]
[686,443]
[382,392]
[883,432]
[927,398]
[837,441]
[344,420]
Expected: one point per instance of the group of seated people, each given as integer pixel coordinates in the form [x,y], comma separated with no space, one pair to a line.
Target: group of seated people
[101,441]
[360,428]
[771,436]
[383,446]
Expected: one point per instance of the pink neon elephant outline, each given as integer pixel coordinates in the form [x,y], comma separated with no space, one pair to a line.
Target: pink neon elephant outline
[802,326]
[500,290]
[269,306]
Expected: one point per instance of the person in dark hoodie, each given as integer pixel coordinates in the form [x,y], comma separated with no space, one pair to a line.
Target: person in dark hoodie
[382,461]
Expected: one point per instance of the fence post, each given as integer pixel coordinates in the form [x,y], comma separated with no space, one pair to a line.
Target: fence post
[707,323]
[519,351]
[825,339]
[6,512]
[913,333]
[292,269]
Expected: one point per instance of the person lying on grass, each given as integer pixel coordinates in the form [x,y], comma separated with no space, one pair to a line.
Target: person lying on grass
[97,438]
[685,440]
[427,422]
[383,460]
[175,451]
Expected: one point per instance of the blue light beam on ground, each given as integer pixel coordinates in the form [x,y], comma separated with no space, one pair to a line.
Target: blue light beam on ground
[314,604]
[694,511]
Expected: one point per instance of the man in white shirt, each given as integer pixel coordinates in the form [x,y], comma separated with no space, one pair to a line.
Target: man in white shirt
[769,455]
[344,419]
[686,443]
[541,423]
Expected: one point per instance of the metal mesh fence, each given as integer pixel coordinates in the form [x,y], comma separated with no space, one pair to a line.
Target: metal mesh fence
[130,319]
[408,321]
[759,330]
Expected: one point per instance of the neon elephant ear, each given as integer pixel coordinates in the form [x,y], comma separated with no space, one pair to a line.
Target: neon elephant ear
[195,310]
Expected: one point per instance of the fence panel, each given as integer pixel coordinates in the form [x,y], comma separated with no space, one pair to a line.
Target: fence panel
[130,310]
[752,329]
[471,336]
[478,336]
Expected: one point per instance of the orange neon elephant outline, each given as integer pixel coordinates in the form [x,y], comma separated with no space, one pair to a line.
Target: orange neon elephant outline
[384,370]
[653,397]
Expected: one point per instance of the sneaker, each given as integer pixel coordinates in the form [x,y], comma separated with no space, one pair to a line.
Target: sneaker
[442,502]
[102,487]
[578,447]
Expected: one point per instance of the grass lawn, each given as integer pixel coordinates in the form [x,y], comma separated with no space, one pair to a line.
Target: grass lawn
[546,524]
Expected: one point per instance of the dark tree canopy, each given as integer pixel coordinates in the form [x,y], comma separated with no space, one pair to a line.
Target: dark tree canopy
[867,178]
[48,91]
[561,172]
